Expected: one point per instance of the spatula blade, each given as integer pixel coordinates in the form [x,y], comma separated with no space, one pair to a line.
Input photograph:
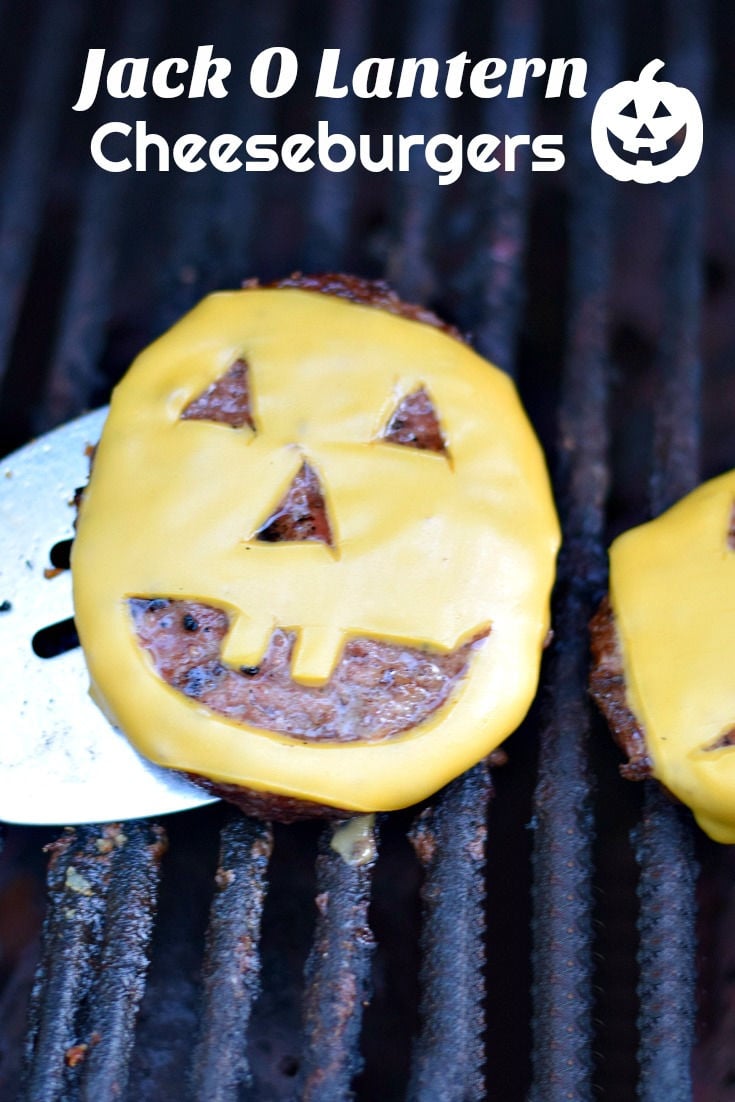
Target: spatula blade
[61,762]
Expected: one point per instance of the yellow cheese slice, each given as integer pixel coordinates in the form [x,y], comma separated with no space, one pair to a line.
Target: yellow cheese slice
[427,548]
[672,589]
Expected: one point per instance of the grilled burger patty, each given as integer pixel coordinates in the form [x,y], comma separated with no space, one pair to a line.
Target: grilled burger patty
[663,645]
[378,689]
[607,686]
[256,668]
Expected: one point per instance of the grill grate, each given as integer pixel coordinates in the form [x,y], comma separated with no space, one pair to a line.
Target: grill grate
[450,841]
[231,970]
[337,973]
[114,259]
[665,853]
[563,849]
[102,886]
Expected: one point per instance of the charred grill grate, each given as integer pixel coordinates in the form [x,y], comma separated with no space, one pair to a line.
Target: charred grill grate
[231,971]
[102,888]
[87,275]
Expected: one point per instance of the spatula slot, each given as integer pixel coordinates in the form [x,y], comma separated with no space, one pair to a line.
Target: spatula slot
[55,639]
[60,554]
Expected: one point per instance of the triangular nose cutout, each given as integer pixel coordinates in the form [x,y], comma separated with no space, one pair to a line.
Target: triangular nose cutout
[644,134]
[301,515]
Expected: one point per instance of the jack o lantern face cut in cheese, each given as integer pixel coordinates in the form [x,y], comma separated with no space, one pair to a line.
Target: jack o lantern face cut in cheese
[672,589]
[315,554]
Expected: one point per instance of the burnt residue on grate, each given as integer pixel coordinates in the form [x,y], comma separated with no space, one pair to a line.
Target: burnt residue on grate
[338,983]
[231,972]
[102,883]
[449,838]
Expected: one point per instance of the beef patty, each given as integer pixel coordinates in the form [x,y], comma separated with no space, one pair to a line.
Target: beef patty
[607,686]
[378,689]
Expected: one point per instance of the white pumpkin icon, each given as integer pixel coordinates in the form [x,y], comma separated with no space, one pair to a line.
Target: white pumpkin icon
[647,130]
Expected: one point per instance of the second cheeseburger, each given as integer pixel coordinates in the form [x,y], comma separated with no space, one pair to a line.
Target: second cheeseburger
[313,562]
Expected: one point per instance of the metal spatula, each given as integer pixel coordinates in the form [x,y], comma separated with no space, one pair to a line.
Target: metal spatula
[60,760]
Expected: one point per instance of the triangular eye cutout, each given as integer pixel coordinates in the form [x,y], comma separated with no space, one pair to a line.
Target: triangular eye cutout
[301,515]
[415,424]
[722,742]
[662,111]
[226,401]
[629,110]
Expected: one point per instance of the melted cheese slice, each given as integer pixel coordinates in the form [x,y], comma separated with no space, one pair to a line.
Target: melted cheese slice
[427,548]
[672,587]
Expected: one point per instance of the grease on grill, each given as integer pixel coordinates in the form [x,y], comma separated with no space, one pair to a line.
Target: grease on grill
[354,840]
[76,1054]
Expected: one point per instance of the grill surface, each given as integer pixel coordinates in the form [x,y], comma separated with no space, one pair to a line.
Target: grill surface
[530,936]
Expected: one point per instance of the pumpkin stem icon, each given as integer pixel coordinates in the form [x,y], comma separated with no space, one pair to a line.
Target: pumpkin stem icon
[648,72]
[647,131]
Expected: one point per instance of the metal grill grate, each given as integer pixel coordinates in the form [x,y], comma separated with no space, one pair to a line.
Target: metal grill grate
[91,267]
